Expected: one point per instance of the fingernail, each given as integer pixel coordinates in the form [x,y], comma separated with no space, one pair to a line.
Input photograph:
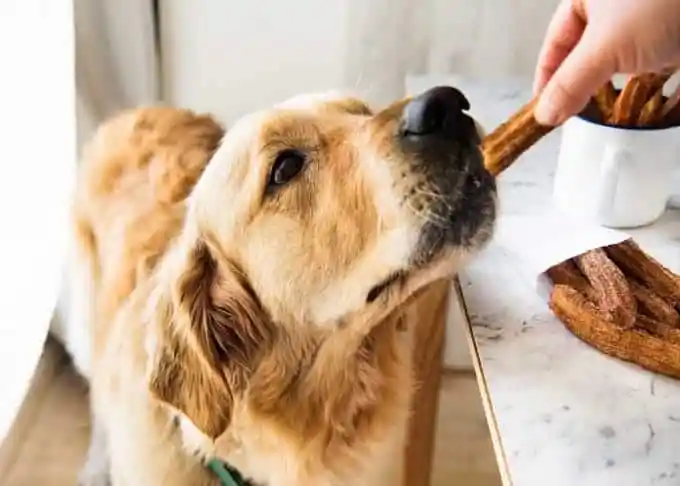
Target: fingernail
[537,87]
[545,112]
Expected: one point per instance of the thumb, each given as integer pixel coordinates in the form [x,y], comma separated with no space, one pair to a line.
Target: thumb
[584,71]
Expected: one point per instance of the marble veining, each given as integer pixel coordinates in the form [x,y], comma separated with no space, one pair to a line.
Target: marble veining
[566,414]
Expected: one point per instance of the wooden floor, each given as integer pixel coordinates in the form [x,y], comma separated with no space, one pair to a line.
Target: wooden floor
[464,454]
[51,434]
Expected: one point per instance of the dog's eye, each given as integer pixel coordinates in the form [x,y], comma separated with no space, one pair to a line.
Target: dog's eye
[287,165]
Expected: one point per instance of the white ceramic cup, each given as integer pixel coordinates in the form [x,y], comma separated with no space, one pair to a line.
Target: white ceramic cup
[615,177]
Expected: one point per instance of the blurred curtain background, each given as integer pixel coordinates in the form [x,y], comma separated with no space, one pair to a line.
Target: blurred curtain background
[117,58]
[234,57]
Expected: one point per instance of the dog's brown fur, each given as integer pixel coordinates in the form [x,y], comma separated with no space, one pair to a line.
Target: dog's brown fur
[229,322]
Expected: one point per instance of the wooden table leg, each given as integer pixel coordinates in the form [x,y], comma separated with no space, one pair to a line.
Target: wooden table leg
[430,314]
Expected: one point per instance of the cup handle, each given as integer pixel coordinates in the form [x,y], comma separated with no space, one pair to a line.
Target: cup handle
[614,158]
[674,198]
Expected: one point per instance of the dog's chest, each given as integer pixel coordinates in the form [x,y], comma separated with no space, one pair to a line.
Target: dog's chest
[227,475]
[276,462]
[267,462]
[261,457]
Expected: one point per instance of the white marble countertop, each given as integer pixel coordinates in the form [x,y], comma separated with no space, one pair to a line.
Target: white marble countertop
[562,413]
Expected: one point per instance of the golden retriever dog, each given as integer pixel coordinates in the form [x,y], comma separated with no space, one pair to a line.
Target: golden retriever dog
[239,296]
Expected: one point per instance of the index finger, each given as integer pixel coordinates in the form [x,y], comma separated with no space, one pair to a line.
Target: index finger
[564,32]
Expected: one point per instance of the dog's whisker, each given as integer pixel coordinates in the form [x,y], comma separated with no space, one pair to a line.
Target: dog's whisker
[427,215]
[433,195]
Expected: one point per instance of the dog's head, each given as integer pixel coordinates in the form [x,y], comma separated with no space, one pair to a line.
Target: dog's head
[318,214]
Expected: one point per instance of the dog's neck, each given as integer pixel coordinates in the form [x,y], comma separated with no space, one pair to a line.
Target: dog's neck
[305,373]
[307,383]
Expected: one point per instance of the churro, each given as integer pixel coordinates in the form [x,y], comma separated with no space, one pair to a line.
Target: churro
[511,139]
[653,305]
[605,98]
[567,273]
[614,296]
[632,260]
[652,111]
[658,328]
[636,92]
[671,109]
[639,346]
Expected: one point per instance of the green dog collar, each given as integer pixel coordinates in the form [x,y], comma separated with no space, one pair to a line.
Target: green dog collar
[228,476]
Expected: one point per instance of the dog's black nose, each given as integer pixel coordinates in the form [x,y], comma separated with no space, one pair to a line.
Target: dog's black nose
[433,112]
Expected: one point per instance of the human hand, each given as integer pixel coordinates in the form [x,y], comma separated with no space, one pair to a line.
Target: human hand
[590,40]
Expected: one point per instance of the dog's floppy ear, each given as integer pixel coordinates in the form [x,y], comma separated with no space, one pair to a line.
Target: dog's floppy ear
[209,334]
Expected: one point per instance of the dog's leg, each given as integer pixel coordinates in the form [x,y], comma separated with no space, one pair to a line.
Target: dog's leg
[96,471]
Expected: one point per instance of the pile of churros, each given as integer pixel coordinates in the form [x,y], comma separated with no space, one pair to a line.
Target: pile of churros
[640,103]
[617,299]
[622,302]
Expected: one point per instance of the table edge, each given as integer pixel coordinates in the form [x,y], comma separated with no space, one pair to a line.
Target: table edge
[492,422]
